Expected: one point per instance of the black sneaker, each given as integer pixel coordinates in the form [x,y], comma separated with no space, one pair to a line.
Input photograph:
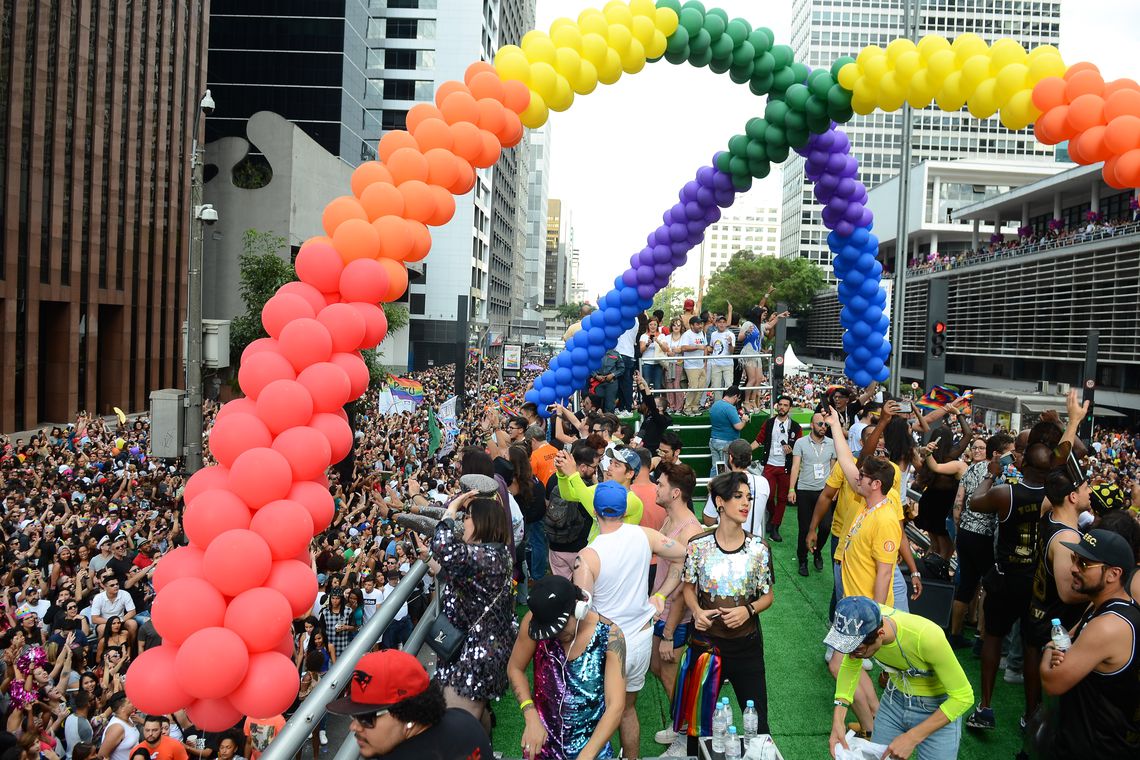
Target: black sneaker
[819,563]
[775,534]
[981,719]
[803,568]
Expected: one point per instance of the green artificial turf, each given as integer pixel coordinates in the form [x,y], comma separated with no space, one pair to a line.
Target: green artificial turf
[800,689]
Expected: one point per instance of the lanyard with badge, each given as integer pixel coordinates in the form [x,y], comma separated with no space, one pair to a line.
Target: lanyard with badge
[855,526]
[820,472]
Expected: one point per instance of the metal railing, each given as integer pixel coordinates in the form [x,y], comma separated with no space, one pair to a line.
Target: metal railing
[764,358]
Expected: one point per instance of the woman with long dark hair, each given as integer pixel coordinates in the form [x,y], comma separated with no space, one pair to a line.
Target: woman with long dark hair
[945,468]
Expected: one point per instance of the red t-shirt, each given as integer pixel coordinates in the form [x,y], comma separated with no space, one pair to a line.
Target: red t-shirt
[167,749]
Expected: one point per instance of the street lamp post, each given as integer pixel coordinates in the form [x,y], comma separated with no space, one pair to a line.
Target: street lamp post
[201,214]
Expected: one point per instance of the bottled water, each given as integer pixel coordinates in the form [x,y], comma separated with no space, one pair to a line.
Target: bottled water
[1060,636]
[751,722]
[719,728]
[732,745]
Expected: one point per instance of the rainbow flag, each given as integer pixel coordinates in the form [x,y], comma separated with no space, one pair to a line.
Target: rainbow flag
[406,389]
[944,395]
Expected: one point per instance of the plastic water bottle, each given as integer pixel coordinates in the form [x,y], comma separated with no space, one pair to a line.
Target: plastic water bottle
[719,728]
[1060,636]
[732,745]
[751,723]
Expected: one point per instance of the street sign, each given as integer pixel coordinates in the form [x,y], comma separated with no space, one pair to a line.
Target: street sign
[779,361]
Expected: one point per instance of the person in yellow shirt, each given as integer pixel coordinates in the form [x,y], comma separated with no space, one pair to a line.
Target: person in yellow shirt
[572,488]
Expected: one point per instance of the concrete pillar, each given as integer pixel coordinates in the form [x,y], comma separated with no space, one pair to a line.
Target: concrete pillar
[997,224]
[1025,214]
[1094,196]
[936,201]
[974,235]
[1056,205]
[934,242]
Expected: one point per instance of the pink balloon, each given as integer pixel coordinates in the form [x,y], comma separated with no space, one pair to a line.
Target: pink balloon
[304,342]
[270,686]
[260,476]
[211,663]
[328,384]
[319,265]
[152,684]
[183,562]
[237,561]
[282,309]
[205,479]
[214,714]
[286,527]
[364,280]
[307,451]
[286,645]
[259,345]
[187,606]
[337,431]
[297,582]
[375,321]
[237,433]
[357,371]
[213,513]
[262,369]
[260,616]
[315,298]
[236,406]
[345,324]
[317,500]
[284,404]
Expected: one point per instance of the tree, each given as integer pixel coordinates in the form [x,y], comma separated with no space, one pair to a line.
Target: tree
[671,300]
[570,312]
[747,277]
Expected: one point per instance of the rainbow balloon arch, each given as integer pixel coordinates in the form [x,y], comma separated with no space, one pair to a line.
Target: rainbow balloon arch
[225,603]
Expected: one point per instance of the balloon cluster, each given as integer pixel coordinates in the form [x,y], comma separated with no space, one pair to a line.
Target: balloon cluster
[683,226]
[225,602]
[576,56]
[1101,121]
[985,78]
[834,171]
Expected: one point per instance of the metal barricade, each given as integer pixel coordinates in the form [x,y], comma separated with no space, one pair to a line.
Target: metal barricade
[766,360]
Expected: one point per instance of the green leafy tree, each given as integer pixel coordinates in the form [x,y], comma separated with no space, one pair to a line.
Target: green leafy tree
[570,312]
[746,278]
[671,300]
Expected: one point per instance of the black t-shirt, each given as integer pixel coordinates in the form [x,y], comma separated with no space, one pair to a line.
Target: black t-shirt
[120,567]
[458,736]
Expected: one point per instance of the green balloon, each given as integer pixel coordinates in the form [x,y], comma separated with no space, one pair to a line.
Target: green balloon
[696,5]
[797,97]
[741,74]
[817,125]
[722,161]
[801,70]
[819,82]
[841,115]
[775,111]
[757,150]
[783,55]
[761,83]
[838,98]
[744,53]
[759,169]
[714,24]
[782,79]
[722,47]
[678,40]
[738,30]
[755,89]
[738,166]
[775,138]
[798,138]
[778,154]
[742,182]
[719,65]
[674,5]
[692,20]
[738,145]
[701,59]
[765,63]
[719,13]
[700,41]
[677,57]
[795,121]
[816,108]
[840,63]
[755,128]
[761,39]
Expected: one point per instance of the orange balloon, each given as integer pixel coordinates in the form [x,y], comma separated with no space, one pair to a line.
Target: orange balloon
[382,199]
[491,150]
[421,241]
[1075,153]
[407,164]
[1052,127]
[367,173]
[1092,145]
[467,143]
[394,141]
[420,113]
[466,178]
[1077,68]
[395,243]
[442,169]
[1049,93]
[1108,171]
[446,89]
[444,206]
[356,239]
[418,201]
[1128,169]
[397,279]
[1086,111]
[491,116]
[460,106]
[1116,85]
[512,133]
[433,133]
[516,95]
[1084,83]
[1120,103]
[1122,134]
[339,210]
[487,84]
[477,68]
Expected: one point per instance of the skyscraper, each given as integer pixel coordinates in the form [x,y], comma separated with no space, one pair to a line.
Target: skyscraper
[754,229]
[824,30]
[556,282]
[534,273]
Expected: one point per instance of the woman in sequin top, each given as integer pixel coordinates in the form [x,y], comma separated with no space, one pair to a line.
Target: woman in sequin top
[478,597]
[727,583]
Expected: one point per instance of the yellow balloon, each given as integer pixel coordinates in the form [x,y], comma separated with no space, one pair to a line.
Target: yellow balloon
[587,79]
[591,21]
[1005,52]
[667,21]
[563,96]
[920,92]
[1012,122]
[543,80]
[643,30]
[511,63]
[536,112]
[1011,80]
[656,46]
[865,89]
[567,63]
[931,44]
[974,71]
[891,92]
[863,105]
[567,36]
[966,46]
[633,60]
[950,97]
[1019,112]
[617,12]
[619,38]
[983,102]
[1041,50]
[646,8]
[610,71]
[939,66]
[907,64]
[898,47]
[595,48]
[867,53]
[875,68]
[1045,66]
[538,46]
[848,76]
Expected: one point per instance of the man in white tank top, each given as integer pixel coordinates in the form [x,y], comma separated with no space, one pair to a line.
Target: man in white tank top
[121,735]
[614,569]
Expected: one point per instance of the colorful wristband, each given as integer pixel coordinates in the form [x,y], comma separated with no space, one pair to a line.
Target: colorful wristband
[525,704]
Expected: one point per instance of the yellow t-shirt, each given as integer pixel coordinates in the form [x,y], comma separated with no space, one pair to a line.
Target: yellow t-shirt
[849,503]
[873,537]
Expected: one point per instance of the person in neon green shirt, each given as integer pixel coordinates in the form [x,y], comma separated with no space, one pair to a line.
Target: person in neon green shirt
[573,488]
[928,692]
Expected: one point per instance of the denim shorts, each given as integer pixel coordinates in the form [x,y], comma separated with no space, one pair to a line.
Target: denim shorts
[680,633]
[899,713]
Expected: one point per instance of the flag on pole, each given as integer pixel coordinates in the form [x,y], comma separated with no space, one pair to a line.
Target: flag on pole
[944,395]
[435,436]
[405,389]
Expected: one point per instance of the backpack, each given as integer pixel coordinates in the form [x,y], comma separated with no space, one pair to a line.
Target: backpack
[564,520]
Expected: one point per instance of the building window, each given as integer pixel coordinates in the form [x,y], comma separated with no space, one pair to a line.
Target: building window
[375,61]
[409,60]
[408,89]
[376,28]
[416,303]
[411,29]
[393,120]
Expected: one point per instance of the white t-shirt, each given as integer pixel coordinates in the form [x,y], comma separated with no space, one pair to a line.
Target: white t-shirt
[518,527]
[758,514]
[104,607]
[649,348]
[372,600]
[691,338]
[855,437]
[780,431]
[626,339]
[388,589]
[722,344]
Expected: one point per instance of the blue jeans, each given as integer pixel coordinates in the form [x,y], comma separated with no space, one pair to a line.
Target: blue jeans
[653,374]
[717,447]
[608,392]
[536,548]
[396,634]
[902,601]
[899,713]
[626,380]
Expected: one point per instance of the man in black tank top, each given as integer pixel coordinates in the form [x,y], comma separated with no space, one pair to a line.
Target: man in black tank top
[1098,678]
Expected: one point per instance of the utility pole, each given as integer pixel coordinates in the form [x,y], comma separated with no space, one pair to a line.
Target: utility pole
[199,216]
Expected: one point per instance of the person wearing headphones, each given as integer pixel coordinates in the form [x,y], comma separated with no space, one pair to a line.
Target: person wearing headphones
[579,674]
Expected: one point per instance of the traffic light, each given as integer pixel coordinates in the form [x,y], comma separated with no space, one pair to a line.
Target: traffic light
[937,338]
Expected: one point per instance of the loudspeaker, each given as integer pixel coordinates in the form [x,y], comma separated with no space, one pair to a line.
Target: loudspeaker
[936,602]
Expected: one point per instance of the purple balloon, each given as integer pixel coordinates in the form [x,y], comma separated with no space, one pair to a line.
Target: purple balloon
[667,217]
[695,240]
[679,246]
[696,227]
[706,197]
[690,190]
[712,216]
[693,210]
[629,277]
[824,194]
[661,254]
[841,142]
[678,231]
[722,182]
[678,260]
[661,235]
[852,167]
[836,163]
[644,275]
[662,270]
[678,212]
[705,176]
[660,282]
[853,213]
[867,219]
[818,157]
[646,290]
[826,140]
[829,181]
[847,188]
[725,198]
[844,227]
[830,217]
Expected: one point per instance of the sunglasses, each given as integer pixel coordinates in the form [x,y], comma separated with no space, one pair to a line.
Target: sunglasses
[1083,564]
[368,720]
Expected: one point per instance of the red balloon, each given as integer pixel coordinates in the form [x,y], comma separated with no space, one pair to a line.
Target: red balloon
[260,476]
[317,500]
[286,527]
[237,561]
[261,369]
[286,645]
[187,606]
[214,714]
[270,686]
[345,325]
[152,686]
[306,291]
[213,513]
[328,384]
[306,449]
[337,431]
[211,663]
[260,616]
[282,309]
[319,265]
[183,562]
[205,479]
[259,345]
[236,406]
[356,369]
[297,582]
[284,404]
[304,342]
[375,327]
[364,280]
[236,433]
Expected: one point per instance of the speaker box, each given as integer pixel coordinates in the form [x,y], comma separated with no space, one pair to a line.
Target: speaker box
[936,602]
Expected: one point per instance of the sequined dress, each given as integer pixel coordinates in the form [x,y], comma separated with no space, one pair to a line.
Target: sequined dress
[474,576]
[728,578]
[571,695]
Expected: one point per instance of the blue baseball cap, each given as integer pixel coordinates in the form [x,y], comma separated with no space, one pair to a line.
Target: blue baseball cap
[856,618]
[628,457]
[610,499]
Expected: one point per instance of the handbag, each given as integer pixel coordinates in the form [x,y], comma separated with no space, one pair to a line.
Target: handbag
[445,639]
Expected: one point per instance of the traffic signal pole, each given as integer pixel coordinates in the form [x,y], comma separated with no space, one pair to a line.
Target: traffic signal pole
[934,358]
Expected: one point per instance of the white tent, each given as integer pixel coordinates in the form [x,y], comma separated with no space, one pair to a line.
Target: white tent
[792,363]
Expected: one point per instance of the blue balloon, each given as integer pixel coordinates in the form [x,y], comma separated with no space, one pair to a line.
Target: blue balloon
[628,296]
[862,378]
[861,355]
[612,332]
[597,350]
[855,278]
[579,356]
[870,288]
[861,330]
[645,303]
[858,305]
[629,311]
[531,396]
[612,317]
[563,376]
[613,299]
[850,342]
[540,381]
[846,290]
[872,314]
[556,362]
[547,395]
[880,299]
[597,336]
[873,367]
[847,318]
[580,372]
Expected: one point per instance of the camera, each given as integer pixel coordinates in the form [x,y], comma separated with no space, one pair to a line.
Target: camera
[207,213]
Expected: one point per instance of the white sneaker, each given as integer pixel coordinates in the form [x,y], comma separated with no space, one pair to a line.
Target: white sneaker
[679,747]
[665,736]
[1012,676]
[324,738]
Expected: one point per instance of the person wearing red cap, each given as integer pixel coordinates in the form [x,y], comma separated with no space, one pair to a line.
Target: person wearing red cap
[398,712]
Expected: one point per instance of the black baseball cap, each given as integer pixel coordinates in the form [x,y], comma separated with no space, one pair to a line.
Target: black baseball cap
[551,601]
[1104,546]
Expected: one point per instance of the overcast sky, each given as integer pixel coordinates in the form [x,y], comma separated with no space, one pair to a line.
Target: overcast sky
[620,154]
